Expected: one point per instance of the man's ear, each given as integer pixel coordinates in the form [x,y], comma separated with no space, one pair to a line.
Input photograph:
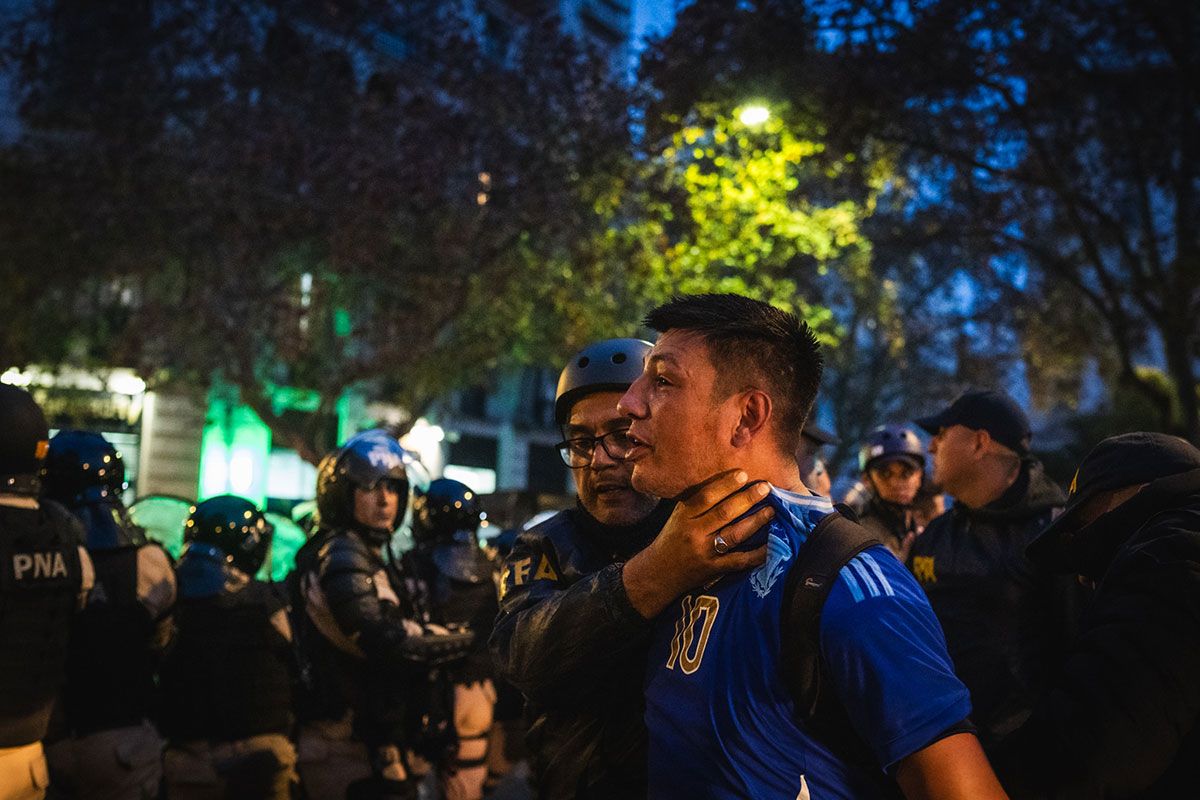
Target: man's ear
[756,409]
[983,443]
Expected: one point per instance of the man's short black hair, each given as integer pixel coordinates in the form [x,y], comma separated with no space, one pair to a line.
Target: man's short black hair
[753,345]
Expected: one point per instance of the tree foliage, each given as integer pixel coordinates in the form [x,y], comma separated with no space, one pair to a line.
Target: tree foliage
[1069,130]
[1042,207]
[890,308]
[288,194]
[732,210]
[709,204]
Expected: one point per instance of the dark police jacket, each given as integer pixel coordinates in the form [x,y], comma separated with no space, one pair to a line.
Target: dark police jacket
[350,626]
[1004,622]
[569,639]
[228,673]
[118,638]
[454,584]
[43,571]
[1122,716]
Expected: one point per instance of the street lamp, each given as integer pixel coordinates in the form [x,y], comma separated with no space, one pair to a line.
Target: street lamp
[753,115]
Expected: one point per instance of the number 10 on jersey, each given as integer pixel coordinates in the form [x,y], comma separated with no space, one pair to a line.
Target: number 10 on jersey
[687,646]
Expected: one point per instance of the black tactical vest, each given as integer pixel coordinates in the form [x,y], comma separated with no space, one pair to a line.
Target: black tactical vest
[227,675]
[110,666]
[40,581]
[455,584]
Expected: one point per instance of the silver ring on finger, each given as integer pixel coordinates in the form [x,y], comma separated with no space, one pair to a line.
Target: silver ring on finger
[720,545]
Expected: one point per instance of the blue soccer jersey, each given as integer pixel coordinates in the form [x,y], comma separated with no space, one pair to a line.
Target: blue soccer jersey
[721,721]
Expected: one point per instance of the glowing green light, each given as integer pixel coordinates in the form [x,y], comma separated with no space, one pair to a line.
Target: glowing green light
[287,539]
[233,455]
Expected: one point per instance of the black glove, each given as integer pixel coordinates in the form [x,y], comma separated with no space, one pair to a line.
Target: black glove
[436,646]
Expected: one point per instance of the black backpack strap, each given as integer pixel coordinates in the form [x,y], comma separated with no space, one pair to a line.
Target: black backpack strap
[833,543]
[846,511]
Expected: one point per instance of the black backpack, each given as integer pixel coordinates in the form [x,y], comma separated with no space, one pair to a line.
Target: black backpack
[833,543]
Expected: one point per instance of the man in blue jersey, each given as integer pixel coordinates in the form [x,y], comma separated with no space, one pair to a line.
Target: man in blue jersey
[720,403]
[567,635]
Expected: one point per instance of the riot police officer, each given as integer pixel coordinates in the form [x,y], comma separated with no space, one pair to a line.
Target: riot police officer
[453,583]
[227,678]
[362,654]
[892,463]
[45,573]
[110,749]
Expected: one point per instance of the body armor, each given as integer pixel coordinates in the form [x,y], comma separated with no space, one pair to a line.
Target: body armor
[41,578]
[228,673]
[111,665]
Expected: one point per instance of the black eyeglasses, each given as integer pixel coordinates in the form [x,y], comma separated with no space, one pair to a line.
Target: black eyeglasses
[578,452]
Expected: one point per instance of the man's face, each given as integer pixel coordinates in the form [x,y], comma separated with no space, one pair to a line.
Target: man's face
[682,430]
[377,507]
[953,450]
[604,485]
[895,481]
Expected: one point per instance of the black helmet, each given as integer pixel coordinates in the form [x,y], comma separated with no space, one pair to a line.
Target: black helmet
[234,526]
[368,458]
[890,443]
[608,366]
[83,467]
[86,474]
[445,509]
[24,440]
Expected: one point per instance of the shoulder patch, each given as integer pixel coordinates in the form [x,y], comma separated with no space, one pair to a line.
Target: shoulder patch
[922,569]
